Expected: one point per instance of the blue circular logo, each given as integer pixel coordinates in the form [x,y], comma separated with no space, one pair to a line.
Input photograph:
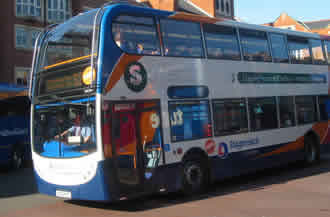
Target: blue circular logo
[223,150]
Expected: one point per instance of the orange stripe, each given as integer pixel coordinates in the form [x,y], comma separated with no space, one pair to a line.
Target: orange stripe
[321,129]
[119,70]
[294,146]
[195,18]
[68,61]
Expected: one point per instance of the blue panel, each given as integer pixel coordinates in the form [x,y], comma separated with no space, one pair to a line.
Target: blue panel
[95,190]
[183,92]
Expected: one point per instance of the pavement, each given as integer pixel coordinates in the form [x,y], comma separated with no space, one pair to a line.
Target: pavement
[286,191]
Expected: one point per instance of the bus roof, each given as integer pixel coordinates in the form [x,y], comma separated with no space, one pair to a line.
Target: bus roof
[204,19]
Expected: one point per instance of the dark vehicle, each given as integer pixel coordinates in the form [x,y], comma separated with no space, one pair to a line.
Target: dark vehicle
[14,127]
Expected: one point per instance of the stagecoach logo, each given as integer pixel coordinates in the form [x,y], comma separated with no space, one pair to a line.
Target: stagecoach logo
[135,77]
[210,146]
[223,150]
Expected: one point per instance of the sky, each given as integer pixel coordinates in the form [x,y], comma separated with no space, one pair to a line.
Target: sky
[266,11]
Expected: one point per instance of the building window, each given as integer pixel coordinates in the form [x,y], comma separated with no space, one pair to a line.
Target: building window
[279,48]
[190,120]
[222,6]
[317,51]
[22,75]
[30,8]
[263,115]
[230,116]
[221,42]
[227,8]
[58,10]
[26,36]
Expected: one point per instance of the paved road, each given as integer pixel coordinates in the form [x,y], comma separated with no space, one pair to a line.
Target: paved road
[282,192]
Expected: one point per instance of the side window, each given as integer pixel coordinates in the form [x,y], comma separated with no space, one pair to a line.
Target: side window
[230,116]
[279,48]
[306,109]
[327,50]
[299,50]
[255,45]
[324,104]
[136,35]
[189,120]
[221,42]
[263,113]
[287,114]
[317,51]
[182,39]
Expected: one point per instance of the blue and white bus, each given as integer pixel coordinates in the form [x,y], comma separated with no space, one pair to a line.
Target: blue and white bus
[171,101]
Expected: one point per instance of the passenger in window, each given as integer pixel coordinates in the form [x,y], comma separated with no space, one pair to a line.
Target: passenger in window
[139,48]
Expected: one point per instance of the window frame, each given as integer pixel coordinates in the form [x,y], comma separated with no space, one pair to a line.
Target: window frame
[28,4]
[285,45]
[243,47]
[202,41]
[194,102]
[235,33]
[155,25]
[324,62]
[309,49]
[232,101]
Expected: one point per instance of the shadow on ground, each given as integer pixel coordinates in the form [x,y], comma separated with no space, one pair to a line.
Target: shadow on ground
[17,183]
[252,182]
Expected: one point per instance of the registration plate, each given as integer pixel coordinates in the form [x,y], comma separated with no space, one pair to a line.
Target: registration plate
[63,194]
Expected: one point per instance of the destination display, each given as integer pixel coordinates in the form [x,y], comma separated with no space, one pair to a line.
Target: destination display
[279,78]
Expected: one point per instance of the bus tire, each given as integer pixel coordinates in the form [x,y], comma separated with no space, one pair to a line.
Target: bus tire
[17,158]
[311,151]
[195,176]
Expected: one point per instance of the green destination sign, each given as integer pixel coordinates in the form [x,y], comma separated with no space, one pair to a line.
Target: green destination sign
[280,78]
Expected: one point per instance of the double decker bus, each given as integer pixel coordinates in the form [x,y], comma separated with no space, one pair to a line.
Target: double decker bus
[171,101]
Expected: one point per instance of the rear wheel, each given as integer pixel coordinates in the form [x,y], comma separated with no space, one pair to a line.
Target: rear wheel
[194,176]
[312,154]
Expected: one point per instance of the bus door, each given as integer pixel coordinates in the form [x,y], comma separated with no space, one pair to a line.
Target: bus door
[137,139]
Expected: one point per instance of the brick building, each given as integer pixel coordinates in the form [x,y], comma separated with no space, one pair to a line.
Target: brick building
[26,18]
[285,21]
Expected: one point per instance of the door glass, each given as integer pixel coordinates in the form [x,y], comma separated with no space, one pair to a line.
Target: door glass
[150,135]
[124,138]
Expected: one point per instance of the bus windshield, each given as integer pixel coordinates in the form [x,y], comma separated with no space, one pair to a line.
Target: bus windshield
[64,131]
[68,42]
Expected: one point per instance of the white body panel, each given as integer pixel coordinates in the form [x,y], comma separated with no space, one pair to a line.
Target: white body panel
[220,76]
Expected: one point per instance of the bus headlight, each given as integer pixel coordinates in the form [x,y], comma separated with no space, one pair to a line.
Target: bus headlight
[88,75]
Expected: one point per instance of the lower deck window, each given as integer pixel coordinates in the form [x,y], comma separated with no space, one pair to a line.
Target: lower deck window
[189,120]
[263,113]
[306,109]
[229,116]
[324,102]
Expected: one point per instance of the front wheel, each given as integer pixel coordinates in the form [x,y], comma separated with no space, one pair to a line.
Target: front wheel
[194,177]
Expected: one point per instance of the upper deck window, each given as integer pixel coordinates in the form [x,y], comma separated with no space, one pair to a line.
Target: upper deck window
[327,50]
[279,48]
[221,42]
[181,38]
[136,35]
[317,51]
[255,45]
[299,50]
